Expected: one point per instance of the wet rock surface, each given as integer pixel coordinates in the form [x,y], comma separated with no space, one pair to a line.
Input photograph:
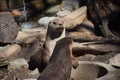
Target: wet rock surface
[88,70]
[8,27]
[115,61]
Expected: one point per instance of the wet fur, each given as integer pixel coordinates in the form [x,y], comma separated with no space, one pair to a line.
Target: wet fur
[40,60]
[60,63]
[55,32]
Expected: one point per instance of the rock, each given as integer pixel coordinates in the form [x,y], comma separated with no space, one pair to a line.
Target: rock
[86,57]
[45,20]
[19,68]
[2,74]
[18,63]
[77,16]
[115,61]
[86,26]
[8,27]
[36,71]
[85,31]
[85,72]
[10,50]
[88,70]
[52,10]
[3,61]
[26,37]
[69,5]
[62,13]
[29,45]
[112,75]
[29,79]
[74,18]
[41,32]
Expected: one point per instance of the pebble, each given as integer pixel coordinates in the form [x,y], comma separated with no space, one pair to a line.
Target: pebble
[45,21]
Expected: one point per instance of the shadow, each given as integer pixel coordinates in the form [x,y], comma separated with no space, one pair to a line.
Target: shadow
[82,25]
[102,71]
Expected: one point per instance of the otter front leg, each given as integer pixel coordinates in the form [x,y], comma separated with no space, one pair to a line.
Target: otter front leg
[74,62]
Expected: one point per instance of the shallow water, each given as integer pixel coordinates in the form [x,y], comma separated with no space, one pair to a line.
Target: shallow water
[28,24]
[33,22]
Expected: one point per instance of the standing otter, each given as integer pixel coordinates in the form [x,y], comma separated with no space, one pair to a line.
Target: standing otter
[55,32]
[60,63]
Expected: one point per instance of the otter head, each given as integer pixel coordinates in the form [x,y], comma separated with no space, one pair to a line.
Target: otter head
[55,28]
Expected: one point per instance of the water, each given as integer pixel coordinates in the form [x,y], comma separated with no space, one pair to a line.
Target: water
[24,10]
[33,22]
[28,24]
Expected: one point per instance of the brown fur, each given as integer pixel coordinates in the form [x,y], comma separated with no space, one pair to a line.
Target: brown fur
[55,32]
[40,60]
[60,63]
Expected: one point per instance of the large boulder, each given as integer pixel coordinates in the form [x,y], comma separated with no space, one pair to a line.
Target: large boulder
[90,70]
[115,61]
[8,28]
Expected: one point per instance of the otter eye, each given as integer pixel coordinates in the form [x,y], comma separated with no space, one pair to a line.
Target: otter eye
[54,23]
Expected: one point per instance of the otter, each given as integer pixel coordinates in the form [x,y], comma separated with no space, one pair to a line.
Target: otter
[60,63]
[55,32]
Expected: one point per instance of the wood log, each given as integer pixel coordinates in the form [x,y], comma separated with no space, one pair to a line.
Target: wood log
[95,48]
